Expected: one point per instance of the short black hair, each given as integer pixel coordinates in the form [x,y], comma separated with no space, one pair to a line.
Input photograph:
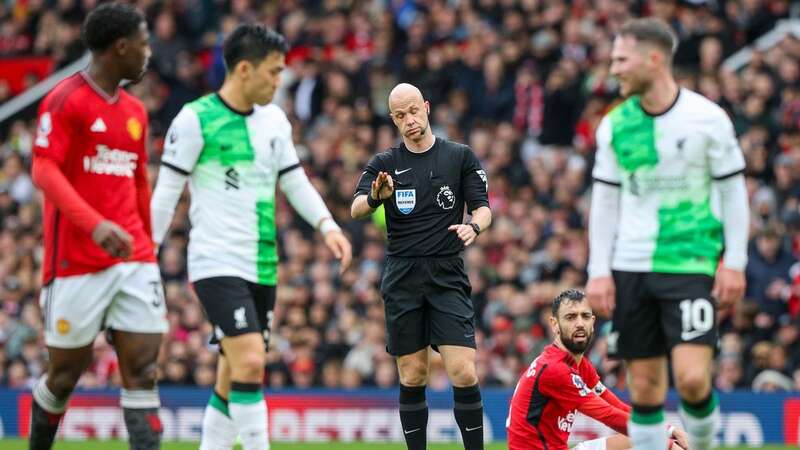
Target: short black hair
[109,22]
[652,31]
[570,295]
[253,43]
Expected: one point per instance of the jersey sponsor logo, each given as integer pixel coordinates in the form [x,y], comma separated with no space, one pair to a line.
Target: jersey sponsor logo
[566,423]
[111,161]
[240,318]
[231,179]
[98,126]
[398,172]
[583,390]
[406,200]
[44,130]
[446,198]
[134,128]
[172,137]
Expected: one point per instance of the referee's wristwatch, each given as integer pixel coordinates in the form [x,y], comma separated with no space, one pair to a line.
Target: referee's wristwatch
[475,227]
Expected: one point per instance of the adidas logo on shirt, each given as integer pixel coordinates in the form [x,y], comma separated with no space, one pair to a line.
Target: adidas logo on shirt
[98,126]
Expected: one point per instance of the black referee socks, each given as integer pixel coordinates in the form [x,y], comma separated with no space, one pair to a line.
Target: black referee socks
[468,410]
[414,416]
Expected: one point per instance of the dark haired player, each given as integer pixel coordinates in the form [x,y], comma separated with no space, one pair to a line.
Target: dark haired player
[561,382]
[235,149]
[99,267]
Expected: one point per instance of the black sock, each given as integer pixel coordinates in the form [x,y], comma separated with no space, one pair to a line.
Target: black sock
[468,410]
[44,426]
[144,428]
[414,416]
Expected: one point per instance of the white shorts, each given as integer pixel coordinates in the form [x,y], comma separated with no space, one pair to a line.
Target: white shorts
[125,297]
[594,444]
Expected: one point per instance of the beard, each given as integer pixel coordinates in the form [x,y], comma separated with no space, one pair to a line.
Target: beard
[576,347]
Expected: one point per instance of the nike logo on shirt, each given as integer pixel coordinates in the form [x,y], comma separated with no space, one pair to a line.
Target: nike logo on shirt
[398,172]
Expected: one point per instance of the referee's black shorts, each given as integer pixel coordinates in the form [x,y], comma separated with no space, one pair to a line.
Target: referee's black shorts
[427,302]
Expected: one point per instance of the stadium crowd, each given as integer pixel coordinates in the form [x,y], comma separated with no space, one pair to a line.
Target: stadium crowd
[524,82]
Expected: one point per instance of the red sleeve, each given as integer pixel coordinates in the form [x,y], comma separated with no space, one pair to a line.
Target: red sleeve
[599,410]
[53,127]
[570,388]
[614,401]
[47,175]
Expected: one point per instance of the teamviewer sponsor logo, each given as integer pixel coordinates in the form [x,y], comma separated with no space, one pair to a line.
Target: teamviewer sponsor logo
[565,423]
[111,161]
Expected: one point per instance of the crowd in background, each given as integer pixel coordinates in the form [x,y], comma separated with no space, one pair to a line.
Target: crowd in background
[523,82]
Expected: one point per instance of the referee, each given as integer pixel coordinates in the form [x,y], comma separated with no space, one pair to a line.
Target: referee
[424,184]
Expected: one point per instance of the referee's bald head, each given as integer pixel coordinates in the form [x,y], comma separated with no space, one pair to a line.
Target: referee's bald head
[404,94]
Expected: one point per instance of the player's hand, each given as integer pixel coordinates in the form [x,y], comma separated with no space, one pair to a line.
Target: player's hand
[601,293]
[113,239]
[729,286]
[465,232]
[681,438]
[340,246]
[382,187]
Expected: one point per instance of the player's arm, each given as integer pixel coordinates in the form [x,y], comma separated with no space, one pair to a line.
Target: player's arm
[305,199]
[603,222]
[610,398]
[373,188]
[727,170]
[182,147]
[476,194]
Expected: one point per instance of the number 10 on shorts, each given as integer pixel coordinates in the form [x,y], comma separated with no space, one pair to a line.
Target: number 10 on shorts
[697,317]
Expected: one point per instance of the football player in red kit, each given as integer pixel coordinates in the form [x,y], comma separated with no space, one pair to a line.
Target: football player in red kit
[99,266]
[561,382]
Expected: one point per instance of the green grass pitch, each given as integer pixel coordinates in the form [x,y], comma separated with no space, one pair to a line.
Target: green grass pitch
[19,444]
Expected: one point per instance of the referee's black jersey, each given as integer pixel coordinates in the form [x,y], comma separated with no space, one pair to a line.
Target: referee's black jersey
[430,191]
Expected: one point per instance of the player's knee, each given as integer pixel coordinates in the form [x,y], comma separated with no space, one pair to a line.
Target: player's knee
[464,374]
[642,383]
[248,367]
[693,385]
[413,374]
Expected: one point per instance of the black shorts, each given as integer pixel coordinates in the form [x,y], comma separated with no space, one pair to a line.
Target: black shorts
[657,311]
[427,302]
[236,306]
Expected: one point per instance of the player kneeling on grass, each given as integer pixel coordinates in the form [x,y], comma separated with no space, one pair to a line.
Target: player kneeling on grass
[561,382]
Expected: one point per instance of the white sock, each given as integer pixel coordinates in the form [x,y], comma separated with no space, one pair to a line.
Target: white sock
[249,414]
[46,399]
[219,432]
[648,431]
[700,424]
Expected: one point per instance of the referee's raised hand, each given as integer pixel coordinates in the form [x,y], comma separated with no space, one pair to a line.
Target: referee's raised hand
[382,186]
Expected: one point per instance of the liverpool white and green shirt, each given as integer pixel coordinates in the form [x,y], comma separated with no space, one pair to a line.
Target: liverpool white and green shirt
[233,162]
[669,213]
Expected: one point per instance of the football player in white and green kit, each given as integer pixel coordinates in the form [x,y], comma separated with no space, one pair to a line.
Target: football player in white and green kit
[235,149]
[669,195]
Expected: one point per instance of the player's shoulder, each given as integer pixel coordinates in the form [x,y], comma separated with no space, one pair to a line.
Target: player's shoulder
[273,114]
[128,99]
[452,146]
[557,362]
[699,104]
[65,91]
